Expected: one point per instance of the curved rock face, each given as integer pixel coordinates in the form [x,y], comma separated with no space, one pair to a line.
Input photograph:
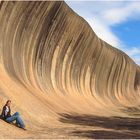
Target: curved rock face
[50,53]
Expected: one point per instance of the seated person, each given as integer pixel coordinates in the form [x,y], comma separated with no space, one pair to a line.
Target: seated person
[6,115]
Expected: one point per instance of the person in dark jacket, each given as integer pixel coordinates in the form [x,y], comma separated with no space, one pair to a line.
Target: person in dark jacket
[6,115]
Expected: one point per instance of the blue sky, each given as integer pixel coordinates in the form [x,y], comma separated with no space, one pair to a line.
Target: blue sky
[116,22]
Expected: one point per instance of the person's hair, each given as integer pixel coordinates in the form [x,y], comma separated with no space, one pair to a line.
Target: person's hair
[7,102]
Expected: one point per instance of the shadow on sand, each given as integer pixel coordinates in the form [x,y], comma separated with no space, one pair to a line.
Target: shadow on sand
[111,127]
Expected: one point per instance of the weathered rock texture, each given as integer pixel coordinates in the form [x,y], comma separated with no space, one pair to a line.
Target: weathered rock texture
[51,62]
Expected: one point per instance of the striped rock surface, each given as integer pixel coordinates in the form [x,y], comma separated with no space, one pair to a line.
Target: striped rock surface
[52,62]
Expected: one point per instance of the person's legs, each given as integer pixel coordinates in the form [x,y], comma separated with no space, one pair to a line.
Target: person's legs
[20,122]
[17,113]
[13,117]
[16,117]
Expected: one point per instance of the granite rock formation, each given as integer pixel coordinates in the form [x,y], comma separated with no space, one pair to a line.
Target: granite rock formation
[52,62]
